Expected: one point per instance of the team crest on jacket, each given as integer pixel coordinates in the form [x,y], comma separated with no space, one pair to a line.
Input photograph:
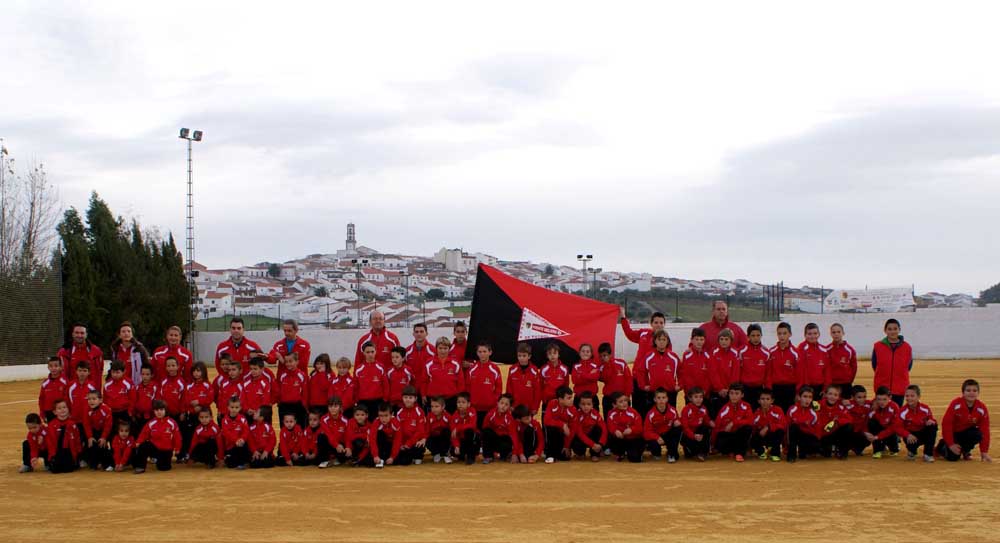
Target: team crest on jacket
[534,326]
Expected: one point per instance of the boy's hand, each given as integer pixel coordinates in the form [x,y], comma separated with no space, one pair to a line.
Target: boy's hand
[618,434]
[711,424]
[628,431]
[377,459]
[421,443]
[676,423]
[102,443]
[930,422]
[985,457]
[763,431]
[532,459]
[729,428]
[523,459]
[869,437]
[514,459]
[90,442]
[956,448]
[347,452]
[596,447]
[240,442]
[621,312]
[911,439]
[341,449]
[458,451]
[389,461]
[566,430]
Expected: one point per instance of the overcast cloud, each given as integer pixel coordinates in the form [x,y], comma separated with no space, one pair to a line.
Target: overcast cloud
[846,146]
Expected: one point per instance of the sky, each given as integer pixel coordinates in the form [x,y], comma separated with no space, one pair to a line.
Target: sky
[848,145]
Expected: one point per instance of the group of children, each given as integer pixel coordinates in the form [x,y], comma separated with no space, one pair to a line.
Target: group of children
[395,414]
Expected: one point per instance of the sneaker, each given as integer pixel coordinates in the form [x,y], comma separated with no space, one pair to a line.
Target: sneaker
[140,470]
[380,464]
[109,468]
[893,453]
[550,460]
[607,452]
[762,456]
[911,456]
[324,465]
[671,459]
[928,458]
[738,458]
[24,469]
[437,459]
[487,460]
[877,456]
[417,462]
[447,460]
[701,457]
[336,462]
[595,458]
[83,464]
[470,461]
[775,458]
[241,467]
[967,456]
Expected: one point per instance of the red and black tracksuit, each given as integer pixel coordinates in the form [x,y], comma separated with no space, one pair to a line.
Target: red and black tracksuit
[695,422]
[803,432]
[694,372]
[344,387]
[783,374]
[439,433]
[97,425]
[290,447]
[589,429]
[585,376]
[373,387]
[530,439]
[465,435]
[736,439]
[525,384]
[53,389]
[443,378]
[965,425]
[357,437]
[918,421]
[204,444]
[774,420]
[232,430]
[883,423]
[413,426]
[559,422]
[617,377]
[814,367]
[291,392]
[385,440]
[263,441]
[629,445]
[754,363]
[724,370]
[659,370]
[662,425]
[159,439]
[499,433]
[859,425]
[834,429]
[485,386]
[843,366]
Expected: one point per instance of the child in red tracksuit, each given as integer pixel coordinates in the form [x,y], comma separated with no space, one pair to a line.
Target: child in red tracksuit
[753,366]
[373,388]
[769,426]
[385,438]
[316,442]
[123,447]
[859,407]
[882,424]
[965,424]
[291,391]
[834,425]
[696,425]
[257,389]
[119,393]
[413,427]
[695,364]
[783,372]
[465,436]
[485,382]
[234,435]
[585,375]
[625,431]
[734,424]
[146,392]
[814,360]
[662,427]
[262,439]
[916,425]
[33,446]
[64,440]
[54,388]
[589,431]
[499,431]
[319,384]
[659,369]
[439,430]
[344,386]
[443,376]
[843,360]
[524,382]
[159,439]
[530,442]
[399,377]
[616,376]
[803,427]
[172,389]
[553,374]
[290,446]
[97,423]
[724,369]
[336,425]
[357,436]
[204,444]
[559,418]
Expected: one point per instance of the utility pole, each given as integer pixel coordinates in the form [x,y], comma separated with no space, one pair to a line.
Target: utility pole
[191,136]
[584,259]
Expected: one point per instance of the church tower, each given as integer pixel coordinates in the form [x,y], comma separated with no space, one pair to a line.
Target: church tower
[352,242]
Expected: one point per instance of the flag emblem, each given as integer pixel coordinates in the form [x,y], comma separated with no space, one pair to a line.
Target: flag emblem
[534,326]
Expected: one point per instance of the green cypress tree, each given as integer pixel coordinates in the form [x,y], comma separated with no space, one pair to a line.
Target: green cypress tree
[79,280]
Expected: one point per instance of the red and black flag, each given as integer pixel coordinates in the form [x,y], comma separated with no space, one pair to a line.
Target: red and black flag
[507,311]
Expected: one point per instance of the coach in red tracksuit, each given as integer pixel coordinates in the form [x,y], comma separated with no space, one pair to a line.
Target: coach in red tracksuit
[237,346]
[892,360]
[291,343]
[80,348]
[382,338]
[720,321]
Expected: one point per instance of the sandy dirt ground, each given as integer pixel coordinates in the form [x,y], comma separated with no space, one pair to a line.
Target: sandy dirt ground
[858,500]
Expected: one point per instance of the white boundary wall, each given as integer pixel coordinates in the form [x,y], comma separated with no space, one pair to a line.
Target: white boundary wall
[934,333]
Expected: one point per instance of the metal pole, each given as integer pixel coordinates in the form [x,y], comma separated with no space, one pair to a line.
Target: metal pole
[821,304]
[192,288]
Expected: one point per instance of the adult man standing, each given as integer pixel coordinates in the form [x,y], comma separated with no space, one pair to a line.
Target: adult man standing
[383,339]
[719,322]
[420,352]
[238,347]
[291,343]
[80,348]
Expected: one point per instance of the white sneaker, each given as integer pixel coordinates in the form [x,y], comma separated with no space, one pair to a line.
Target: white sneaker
[911,456]
[324,465]
[109,468]
[417,462]
[380,464]
[928,458]
[437,458]
[550,460]
[83,464]
[671,459]
[447,460]
[607,452]
[336,462]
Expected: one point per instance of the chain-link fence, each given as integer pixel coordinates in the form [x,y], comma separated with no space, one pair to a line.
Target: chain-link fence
[30,315]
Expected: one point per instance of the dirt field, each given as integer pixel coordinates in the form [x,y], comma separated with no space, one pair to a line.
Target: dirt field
[861,499]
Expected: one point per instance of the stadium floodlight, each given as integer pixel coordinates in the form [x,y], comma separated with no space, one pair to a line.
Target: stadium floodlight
[584,259]
[189,136]
[358,264]
[184,133]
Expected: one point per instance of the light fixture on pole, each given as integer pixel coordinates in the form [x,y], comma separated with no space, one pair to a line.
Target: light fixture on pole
[596,271]
[406,295]
[585,259]
[358,264]
[190,136]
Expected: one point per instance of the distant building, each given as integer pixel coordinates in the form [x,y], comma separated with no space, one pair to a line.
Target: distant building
[457,260]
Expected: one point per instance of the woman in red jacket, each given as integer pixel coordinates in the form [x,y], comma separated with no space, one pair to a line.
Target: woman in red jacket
[892,359]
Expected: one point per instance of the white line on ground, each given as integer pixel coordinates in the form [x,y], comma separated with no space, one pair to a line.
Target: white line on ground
[14,402]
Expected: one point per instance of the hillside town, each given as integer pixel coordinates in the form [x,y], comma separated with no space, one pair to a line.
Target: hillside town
[341,289]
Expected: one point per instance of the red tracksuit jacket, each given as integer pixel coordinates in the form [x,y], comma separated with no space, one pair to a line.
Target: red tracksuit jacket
[438,424]
[887,417]
[552,378]
[739,415]
[121,450]
[784,366]
[344,387]
[88,352]
[232,430]
[539,439]
[71,437]
[418,357]
[620,420]
[814,363]
[695,371]
[859,415]
[53,389]
[556,416]
[203,433]
[172,392]
[77,396]
[914,419]
[584,424]
[660,370]
[398,379]
[384,341]
[805,419]
[485,385]
[724,369]
[372,384]
[159,361]
[754,365]
[774,419]
[256,393]
[442,378]
[337,428]
[97,423]
[617,377]
[585,376]
[643,337]
[657,423]
[262,438]
[693,416]
[145,393]
[460,422]
[163,433]
[501,423]
[226,388]
[301,347]
[959,416]
[843,362]
[310,437]
[836,413]
[356,432]
[240,353]
[319,388]
[412,424]
[291,442]
[392,430]
[199,391]
[525,384]
[292,387]
[119,395]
